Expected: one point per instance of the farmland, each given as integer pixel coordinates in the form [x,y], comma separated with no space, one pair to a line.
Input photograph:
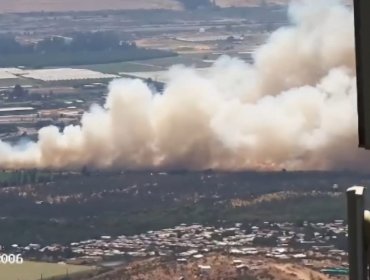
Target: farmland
[156,64]
[9,6]
[35,270]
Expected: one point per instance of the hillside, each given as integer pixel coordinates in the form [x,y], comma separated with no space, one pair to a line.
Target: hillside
[135,202]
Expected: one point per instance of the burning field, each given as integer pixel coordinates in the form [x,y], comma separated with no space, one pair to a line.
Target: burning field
[294,108]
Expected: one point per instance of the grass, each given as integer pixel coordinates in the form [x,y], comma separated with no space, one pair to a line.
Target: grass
[36,270]
[156,64]
[115,68]
[61,59]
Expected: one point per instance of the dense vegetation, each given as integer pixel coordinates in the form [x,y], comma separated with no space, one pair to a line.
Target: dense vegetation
[39,60]
[72,49]
[195,4]
[8,128]
[61,208]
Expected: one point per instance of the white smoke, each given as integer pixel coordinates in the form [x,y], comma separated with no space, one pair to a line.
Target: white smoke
[294,108]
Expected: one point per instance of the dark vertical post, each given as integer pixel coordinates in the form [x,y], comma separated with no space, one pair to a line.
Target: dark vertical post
[356,250]
[362,27]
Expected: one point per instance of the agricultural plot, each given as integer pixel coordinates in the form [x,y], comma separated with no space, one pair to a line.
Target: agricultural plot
[24,6]
[38,270]
[156,64]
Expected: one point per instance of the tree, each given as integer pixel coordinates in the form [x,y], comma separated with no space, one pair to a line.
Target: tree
[9,45]
[195,4]
[52,44]
[85,171]
[18,92]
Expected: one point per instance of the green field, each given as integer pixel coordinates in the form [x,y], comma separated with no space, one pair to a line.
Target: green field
[37,270]
[156,64]
[53,59]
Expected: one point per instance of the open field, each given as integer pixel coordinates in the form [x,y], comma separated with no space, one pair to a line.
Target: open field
[35,270]
[219,266]
[10,6]
[156,64]
[23,6]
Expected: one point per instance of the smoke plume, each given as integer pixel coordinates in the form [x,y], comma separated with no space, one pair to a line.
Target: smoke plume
[294,108]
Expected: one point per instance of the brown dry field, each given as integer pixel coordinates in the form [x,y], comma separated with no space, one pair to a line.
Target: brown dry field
[9,6]
[222,268]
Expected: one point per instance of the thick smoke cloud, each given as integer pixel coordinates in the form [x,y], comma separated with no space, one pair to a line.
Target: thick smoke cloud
[294,108]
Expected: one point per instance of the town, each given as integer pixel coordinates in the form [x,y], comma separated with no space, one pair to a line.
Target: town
[304,244]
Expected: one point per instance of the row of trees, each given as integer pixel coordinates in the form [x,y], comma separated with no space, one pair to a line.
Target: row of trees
[24,177]
[9,45]
[39,60]
[74,42]
[84,41]
[195,4]
[73,49]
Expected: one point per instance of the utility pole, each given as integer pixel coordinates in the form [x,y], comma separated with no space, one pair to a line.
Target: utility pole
[357,251]
[362,39]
